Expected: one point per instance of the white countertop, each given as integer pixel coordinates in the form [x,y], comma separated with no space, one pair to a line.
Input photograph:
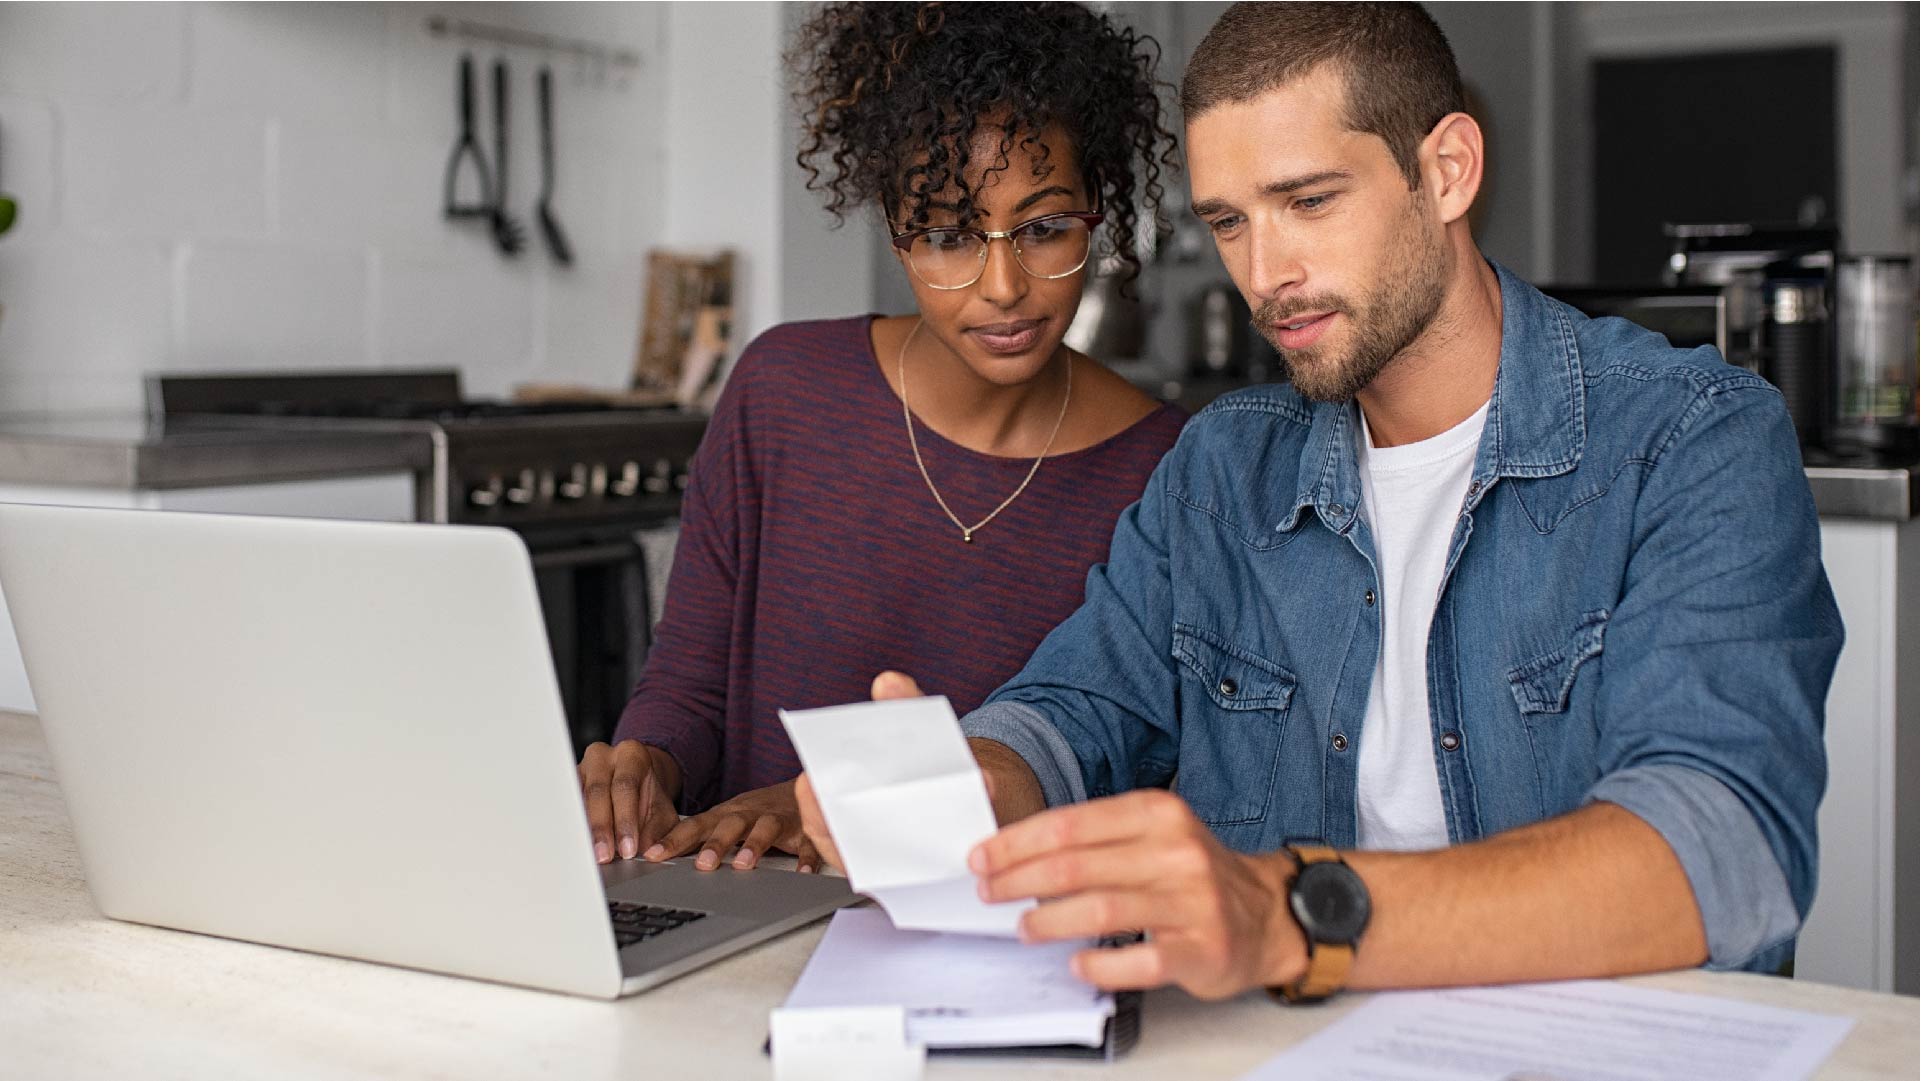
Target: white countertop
[82,996]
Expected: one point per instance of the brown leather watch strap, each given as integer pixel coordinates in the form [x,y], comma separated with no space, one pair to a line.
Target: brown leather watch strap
[1327,965]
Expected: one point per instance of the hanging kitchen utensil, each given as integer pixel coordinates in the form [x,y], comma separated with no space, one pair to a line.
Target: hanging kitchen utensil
[509,235]
[549,225]
[467,149]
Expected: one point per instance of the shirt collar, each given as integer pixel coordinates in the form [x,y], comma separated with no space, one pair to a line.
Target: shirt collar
[1536,421]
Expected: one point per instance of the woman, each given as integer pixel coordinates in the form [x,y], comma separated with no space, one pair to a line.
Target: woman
[923,493]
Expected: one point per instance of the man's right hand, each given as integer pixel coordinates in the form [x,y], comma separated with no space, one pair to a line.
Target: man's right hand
[1012,788]
[629,790]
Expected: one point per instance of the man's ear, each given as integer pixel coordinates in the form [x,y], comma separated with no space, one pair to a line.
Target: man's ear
[1452,158]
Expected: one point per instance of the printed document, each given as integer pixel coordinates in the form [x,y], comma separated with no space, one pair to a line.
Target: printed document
[1590,1030]
[958,990]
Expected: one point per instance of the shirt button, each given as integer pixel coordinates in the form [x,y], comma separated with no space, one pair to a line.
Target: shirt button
[1473,487]
[1369,598]
[1229,688]
[1340,742]
[1450,741]
[1336,509]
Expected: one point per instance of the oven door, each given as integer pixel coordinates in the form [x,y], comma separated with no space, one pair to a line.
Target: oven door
[596,596]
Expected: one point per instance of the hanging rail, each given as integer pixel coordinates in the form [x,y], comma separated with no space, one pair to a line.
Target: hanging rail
[443,26]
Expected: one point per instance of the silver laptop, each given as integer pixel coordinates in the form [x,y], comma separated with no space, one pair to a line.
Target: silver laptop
[346,738]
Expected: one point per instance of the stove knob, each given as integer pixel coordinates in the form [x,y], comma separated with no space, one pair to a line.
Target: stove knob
[486,495]
[628,482]
[525,489]
[661,478]
[575,486]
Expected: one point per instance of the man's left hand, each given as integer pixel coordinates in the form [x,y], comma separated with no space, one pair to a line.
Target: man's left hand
[1217,921]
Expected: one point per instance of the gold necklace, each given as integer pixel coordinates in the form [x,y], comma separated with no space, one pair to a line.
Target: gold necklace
[967,531]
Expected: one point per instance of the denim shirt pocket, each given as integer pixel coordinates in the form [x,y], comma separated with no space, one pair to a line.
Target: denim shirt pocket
[1544,684]
[1234,706]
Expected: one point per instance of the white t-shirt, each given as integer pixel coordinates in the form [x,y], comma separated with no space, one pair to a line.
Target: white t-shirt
[1412,495]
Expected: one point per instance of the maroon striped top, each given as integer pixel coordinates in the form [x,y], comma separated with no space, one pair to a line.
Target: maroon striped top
[812,558]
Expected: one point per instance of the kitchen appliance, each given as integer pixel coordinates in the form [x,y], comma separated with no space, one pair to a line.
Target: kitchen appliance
[1875,352]
[1777,279]
[1795,350]
[344,737]
[579,481]
[1688,315]
[1716,253]
[1112,322]
[1222,330]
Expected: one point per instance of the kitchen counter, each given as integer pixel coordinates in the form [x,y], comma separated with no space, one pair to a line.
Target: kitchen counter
[132,452]
[1878,489]
[88,997]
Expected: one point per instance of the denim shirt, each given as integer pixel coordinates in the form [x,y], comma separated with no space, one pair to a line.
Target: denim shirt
[1633,610]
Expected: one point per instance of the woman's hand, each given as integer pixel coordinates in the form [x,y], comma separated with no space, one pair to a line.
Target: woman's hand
[629,790]
[756,821]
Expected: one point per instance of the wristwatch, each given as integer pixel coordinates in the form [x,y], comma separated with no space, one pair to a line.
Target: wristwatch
[1330,903]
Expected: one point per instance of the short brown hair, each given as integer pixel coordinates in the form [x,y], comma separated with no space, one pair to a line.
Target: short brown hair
[1400,73]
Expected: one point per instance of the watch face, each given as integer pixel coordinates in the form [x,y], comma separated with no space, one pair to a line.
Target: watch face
[1331,902]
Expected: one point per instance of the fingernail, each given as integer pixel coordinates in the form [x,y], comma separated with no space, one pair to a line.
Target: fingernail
[744,861]
[602,853]
[656,852]
[807,868]
[627,847]
[708,860]
[985,893]
[977,861]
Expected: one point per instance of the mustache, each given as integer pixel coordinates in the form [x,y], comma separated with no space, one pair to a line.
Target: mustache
[1272,312]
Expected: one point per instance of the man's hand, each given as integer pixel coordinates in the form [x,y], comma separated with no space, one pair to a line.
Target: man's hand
[1217,921]
[629,790]
[756,821]
[1011,787]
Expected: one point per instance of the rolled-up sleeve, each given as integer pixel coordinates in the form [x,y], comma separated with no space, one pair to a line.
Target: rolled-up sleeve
[1719,657]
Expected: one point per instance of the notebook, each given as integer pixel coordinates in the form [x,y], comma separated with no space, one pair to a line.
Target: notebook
[967,993]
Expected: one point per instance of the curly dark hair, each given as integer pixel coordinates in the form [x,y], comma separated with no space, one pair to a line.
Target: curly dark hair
[893,95]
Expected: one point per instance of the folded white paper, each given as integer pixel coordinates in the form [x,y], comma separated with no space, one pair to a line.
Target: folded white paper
[905,802]
[956,990]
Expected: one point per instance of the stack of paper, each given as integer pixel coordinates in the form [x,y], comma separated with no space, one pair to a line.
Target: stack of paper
[905,802]
[958,990]
[1585,1030]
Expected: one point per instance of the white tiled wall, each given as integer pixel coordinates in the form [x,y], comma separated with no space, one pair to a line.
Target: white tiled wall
[219,186]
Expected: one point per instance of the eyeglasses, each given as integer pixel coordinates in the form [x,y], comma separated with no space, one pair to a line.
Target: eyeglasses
[955,257]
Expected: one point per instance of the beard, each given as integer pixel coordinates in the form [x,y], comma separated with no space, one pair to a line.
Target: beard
[1391,317]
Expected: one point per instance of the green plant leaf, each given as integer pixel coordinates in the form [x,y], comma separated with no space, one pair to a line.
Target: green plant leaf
[7,210]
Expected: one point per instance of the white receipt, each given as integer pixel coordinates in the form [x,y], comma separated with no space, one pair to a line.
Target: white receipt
[906,803]
[1581,1031]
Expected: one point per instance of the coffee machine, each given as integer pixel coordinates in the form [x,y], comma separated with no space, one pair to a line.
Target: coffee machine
[1777,287]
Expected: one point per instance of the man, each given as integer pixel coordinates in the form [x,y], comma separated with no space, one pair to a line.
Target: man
[1492,649]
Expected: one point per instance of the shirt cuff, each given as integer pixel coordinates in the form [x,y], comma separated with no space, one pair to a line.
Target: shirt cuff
[1027,732]
[1746,908]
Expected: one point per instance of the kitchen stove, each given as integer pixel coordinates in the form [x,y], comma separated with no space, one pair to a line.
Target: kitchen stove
[518,464]
[580,482]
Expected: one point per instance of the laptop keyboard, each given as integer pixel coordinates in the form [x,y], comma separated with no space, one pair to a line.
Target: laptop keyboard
[638,923]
